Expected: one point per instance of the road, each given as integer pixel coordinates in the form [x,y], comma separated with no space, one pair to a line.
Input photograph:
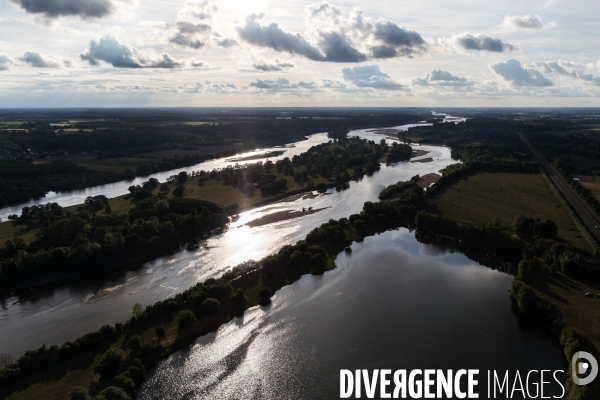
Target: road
[587,215]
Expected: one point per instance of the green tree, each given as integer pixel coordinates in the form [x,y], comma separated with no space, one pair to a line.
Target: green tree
[179,190]
[113,393]
[265,294]
[185,319]
[111,363]
[238,298]
[79,393]
[211,306]
[137,310]
[135,344]
[160,332]
[124,382]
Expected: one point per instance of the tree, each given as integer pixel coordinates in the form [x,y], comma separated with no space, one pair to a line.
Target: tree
[113,393]
[233,209]
[135,344]
[264,295]
[79,393]
[179,190]
[185,319]
[211,306]
[111,363]
[160,332]
[6,360]
[137,310]
[124,382]
[164,188]
[182,177]
[238,298]
[546,229]
[318,264]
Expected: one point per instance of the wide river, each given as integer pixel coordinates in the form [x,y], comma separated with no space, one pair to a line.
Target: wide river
[320,318]
[392,303]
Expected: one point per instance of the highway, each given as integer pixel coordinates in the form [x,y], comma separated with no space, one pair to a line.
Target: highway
[587,215]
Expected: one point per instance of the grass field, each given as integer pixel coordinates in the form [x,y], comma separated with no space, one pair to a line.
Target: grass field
[591,183]
[8,231]
[568,294]
[483,196]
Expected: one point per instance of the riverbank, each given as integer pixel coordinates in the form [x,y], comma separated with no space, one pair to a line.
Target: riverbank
[282,216]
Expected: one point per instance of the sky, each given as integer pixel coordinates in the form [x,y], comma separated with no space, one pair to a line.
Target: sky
[167,53]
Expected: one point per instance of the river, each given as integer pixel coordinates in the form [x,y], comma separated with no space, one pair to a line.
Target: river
[65,313]
[392,303]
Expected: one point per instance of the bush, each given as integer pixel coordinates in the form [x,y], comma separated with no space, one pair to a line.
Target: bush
[113,393]
[359,225]
[185,319]
[160,332]
[264,295]
[211,306]
[318,264]
[238,298]
[124,382]
[79,393]
[111,363]
[135,344]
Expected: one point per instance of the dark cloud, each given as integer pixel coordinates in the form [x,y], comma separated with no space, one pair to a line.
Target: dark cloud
[396,41]
[35,59]
[59,8]
[121,55]
[333,38]
[273,37]
[269,67]
[482,42]
[198,63]
[194,24]
[438,77]
[226,42]
[369,76]
[5,62]
[523,22]
[513,72]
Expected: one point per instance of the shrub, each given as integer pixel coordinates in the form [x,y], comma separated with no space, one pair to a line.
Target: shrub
[185,318]
[264,295]
[111,363]
[211,306]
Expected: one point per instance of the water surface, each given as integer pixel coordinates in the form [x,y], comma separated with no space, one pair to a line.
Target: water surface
[393,303]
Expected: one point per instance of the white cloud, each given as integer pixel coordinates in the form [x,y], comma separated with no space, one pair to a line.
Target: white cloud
[370,76]
[525,22]
[121,55]
[512,71]
[437,77]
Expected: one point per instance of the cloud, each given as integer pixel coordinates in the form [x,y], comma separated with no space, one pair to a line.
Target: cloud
[525,22]
[513,72]
[273,37]
[38,60]
[59,8]
[5,62]
[199,63]
[437,77]
[481,42]
[193,25]
[566,68]
[266,66]
[332,37]
[369,76]
[121,55]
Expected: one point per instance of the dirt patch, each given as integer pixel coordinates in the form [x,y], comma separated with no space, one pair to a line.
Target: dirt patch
[104,293]
[282,216]
[419,153]
[424,160]
[426,180]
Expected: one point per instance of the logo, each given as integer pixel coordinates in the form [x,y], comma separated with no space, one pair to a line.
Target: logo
[583,364]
